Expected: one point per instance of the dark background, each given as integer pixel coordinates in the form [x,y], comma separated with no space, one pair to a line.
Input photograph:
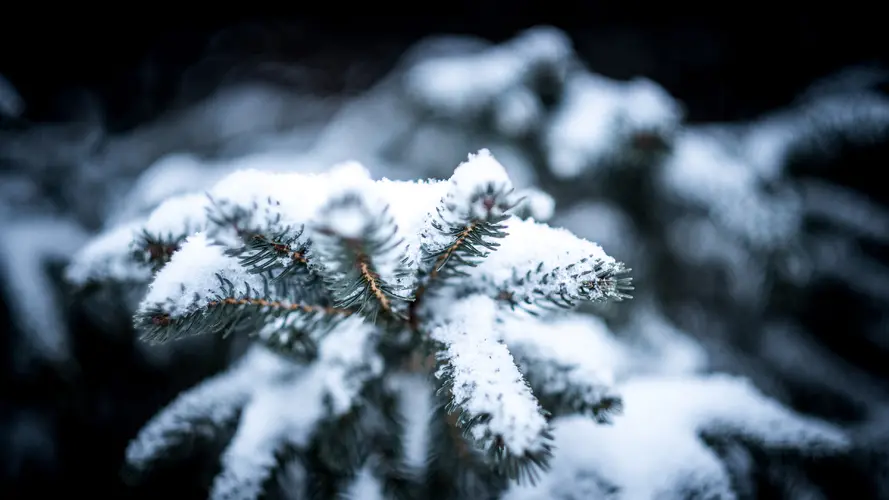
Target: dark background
[729,64]
[732,63]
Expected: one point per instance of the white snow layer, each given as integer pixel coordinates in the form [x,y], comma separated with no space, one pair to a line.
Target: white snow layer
[28,247]
[655,447]
[571,355]
[466,85]
[479,189]
[191,279]
[486,381]
[286,411]
[108,258]
[598,116]
[564,255]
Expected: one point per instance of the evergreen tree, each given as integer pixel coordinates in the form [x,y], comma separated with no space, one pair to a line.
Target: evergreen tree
[415,340]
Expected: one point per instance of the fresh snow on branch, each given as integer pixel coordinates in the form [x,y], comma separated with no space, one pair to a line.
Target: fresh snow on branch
[498,409]
[598,119]
[193,278]
[646,457]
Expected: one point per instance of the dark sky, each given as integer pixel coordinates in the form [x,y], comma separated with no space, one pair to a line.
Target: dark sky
[726,63]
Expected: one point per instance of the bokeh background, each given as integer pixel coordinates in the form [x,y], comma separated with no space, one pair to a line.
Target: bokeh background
[106,112]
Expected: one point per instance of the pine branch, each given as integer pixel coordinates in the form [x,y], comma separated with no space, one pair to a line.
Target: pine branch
[108,259]
[570,270]
[155,250]
[182,300]
[199,414]
[468,223]
[167,227]
[229,310]
[561,388]
[495,407]
[361,251]
[588,280]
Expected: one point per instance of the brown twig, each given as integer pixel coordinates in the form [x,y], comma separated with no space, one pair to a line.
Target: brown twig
[414,307]
[371,278]
[165,319]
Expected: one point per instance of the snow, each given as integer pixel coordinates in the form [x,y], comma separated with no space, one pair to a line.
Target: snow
[486,381]
[521,250]
[847,209]
[655,448]
[282,404]
[170,176]
[597,116]
[539,205]
[460,86]
[415,406]
[480,173]
[215,401]
[465,85]
[479,189]
[410,203]
[179,216]
[350,359]
[573,355]
[356,214]
[365,486]
[704,171]
[28,246]
[107,258]
[190,279]
[287,411]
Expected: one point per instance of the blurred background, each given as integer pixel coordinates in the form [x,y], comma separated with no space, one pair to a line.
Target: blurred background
[733,158]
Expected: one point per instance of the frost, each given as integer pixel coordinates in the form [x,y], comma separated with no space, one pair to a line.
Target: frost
[655,448]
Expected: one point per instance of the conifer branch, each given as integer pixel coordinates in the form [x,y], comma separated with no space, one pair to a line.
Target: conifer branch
[155,250]
[226,313]
[354,258]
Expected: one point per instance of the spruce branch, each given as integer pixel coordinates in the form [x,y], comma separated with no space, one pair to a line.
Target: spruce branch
[352,288]
[362,254]
[499,415]
[536,278]
[200,414]
[467,224]
[229,309]
[176,307]
[569,364]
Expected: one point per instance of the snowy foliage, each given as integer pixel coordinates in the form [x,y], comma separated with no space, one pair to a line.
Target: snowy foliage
[367,298]
[232,228]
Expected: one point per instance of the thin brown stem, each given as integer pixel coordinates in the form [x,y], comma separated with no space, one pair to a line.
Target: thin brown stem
[414,308]
[372,281]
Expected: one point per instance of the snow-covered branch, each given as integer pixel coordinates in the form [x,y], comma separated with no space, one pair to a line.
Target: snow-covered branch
[494,402]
